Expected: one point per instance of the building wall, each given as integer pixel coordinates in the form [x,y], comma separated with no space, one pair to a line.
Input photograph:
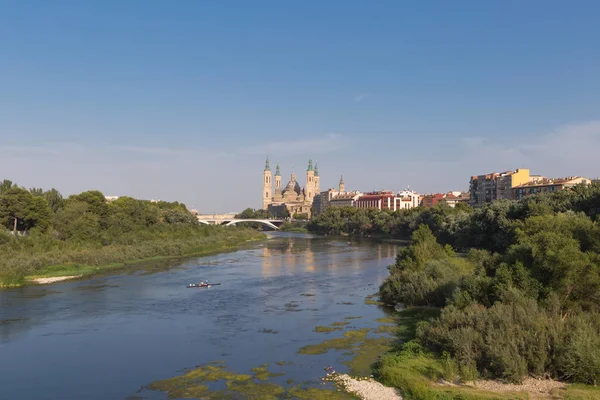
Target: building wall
[507,180]
[547,186]
[483,189]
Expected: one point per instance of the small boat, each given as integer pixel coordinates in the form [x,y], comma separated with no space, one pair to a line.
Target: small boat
[196,285]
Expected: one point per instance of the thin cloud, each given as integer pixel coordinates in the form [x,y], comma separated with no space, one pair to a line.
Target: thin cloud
[567,150]
[170,151]
[360,97]
[329,143]
[53,149]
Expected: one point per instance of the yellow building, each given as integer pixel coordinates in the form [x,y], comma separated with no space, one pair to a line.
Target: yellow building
[548,186]
[494,186]
[293,198]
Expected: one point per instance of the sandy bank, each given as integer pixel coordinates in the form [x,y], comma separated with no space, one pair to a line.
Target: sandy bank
[537,388]
[365,388]
[43,281]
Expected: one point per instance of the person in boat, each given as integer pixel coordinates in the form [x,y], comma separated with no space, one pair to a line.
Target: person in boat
[201,283]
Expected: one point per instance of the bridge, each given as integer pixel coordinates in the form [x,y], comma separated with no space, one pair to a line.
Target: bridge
[230,220]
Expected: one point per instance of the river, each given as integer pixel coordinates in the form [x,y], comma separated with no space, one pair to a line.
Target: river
[110,336]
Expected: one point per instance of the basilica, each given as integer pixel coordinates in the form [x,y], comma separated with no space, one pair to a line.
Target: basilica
[293,198]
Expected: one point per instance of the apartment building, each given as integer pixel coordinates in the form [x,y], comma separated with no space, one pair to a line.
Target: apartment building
[347,199]
[388,200]
[547,186]
[498,185]
[450,198]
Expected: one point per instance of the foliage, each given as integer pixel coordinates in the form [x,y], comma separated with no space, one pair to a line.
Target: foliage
[85,231]
[251,213]
[526,298]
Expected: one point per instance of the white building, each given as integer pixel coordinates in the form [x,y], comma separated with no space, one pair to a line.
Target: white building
[409,199]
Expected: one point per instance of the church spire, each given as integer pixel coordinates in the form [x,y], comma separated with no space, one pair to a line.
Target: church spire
[277,171]
[342,186]
[316,169]
[267,165]
[310,166]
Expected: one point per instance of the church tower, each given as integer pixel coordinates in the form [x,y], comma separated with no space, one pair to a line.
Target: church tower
[310,182]
[267,186]
[342,188]
[277,180]
[317,180]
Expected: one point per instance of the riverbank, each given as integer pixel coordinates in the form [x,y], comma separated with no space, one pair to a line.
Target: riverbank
[56,265]
[421,375]
[365,388]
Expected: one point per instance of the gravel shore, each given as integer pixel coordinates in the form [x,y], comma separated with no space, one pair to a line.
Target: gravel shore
[43,281]
[537,388]
[366,388]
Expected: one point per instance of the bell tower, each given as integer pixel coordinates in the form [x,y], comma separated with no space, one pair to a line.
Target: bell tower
[342,187]
[317,180]
[267,186]
[310,181]
[277,180]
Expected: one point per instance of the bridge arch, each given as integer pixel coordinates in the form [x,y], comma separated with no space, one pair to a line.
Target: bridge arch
[261,221]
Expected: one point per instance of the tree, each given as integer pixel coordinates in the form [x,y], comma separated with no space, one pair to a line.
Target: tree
[19,210]
[75,222]
[6,185]
[248,213]
[55,199]
[39,192]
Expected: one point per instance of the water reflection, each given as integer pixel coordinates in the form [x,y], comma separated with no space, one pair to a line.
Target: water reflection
[148,326]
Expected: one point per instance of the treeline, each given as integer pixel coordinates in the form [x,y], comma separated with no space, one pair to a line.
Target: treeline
[398,224]
[524,298]
[43,231]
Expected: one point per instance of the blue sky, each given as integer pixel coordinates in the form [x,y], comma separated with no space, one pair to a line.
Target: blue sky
[184,100]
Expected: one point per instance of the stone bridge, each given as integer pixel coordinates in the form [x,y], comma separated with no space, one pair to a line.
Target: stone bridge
[229,221]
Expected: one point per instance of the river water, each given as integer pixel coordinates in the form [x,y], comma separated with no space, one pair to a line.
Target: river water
[109,336]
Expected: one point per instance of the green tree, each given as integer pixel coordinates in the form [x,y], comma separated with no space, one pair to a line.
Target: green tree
[19,205]
[77,223]
[6,185]
[36,192]
[248,213]
[96,201]
[55,199]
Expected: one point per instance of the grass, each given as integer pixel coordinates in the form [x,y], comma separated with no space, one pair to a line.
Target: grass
[31,257]
[581,392]
[415,370]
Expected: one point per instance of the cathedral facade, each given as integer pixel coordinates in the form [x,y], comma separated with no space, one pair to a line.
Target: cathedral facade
[292,197]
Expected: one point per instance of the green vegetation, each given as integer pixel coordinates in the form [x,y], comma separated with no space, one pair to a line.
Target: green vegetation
[297,227]
[251,213]
[326,329]
[46,235]
[195,384]
[336,326]
[523,301]
[349,340]
[363,349]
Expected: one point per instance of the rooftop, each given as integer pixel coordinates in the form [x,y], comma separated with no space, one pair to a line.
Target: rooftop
[551,181]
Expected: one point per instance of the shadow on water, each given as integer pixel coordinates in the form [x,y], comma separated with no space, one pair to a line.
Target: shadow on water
[116,332]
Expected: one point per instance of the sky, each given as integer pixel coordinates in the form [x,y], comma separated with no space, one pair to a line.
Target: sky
[184,100]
